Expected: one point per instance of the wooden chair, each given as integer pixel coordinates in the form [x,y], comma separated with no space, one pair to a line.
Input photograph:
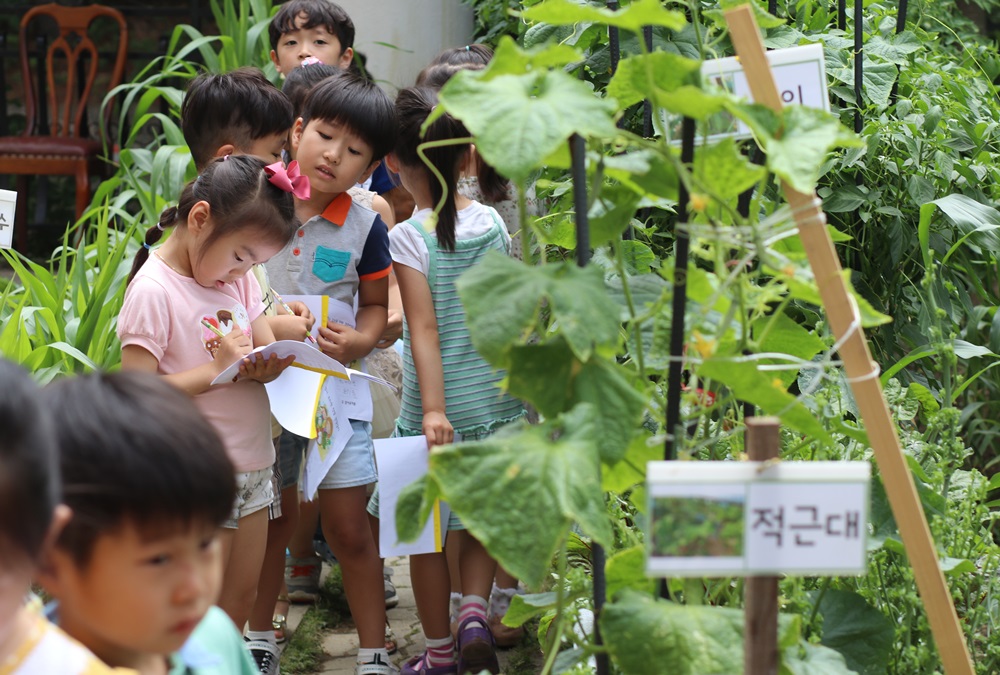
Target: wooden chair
[66,150]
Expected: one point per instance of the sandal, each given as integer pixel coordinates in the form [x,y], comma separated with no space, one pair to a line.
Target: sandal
[280,620]
[418,666]
[476,648]
[390,639]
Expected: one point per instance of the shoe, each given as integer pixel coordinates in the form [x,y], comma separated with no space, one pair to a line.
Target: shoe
[302,578]
[418,666]
[376,667]
[391,597]
[505,636]
[391,646]
[454,604]
[476,648]
[265,655]
[279,622]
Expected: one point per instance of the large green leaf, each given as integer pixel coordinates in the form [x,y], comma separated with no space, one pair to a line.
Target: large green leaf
[652,75]
[861,633]
[976,222]
[633,17]
[627,569]
[547,477]
[767,392]
[510,59]
[782,334]
[726,172]
[575,297]
[519,120]
[810,659]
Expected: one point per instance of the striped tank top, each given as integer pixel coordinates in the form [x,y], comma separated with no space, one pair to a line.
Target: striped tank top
[474,402]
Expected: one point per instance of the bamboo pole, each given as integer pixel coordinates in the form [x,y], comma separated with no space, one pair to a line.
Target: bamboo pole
[862,372]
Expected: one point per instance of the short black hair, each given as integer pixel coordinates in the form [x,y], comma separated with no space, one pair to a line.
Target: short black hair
[324,13]
[237,107]
[301,80]
[29,472]
[359,104]
[135,450]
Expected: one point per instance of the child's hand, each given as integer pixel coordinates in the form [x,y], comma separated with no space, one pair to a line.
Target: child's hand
[393,330]
[264,370]
[341,342]
[290,326]
[301,309]
[437,429]
[232,347]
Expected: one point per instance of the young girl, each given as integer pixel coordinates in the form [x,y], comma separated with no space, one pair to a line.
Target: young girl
[193,307]
[438,360]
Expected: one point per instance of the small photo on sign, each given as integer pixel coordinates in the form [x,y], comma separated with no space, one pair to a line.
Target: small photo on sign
[698,526]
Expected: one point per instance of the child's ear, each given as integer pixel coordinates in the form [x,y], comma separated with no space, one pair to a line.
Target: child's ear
[274,60]
[51,559]
[346,57]
[369,171]
[392,163]
[297,130]
[224,151]
[197,221]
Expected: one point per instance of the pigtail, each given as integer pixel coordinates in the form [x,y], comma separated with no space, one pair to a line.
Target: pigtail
[153,235]
[443,161]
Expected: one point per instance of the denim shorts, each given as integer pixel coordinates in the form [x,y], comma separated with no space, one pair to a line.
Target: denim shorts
[356,464]
[253,493]
[290,452]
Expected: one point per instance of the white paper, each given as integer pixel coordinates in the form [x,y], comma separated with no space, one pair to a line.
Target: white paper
[400,462]
[333,431]
[293,399]
[356,397]
[324,309]
[8,204]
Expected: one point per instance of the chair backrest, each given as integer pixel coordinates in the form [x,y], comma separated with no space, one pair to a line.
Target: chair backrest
[68,100]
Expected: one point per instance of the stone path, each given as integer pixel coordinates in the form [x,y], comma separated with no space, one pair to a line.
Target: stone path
[341,643]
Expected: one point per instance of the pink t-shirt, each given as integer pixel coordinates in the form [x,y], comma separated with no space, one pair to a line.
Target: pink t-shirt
[163,313]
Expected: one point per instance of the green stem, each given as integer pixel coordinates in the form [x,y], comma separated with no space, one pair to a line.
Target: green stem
[559,627]
[636,326]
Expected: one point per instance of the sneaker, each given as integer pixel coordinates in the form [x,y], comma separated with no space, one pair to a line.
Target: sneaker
[302,578]
[476,649]
[265,655]
[505,636]
[391,597]
[376,667]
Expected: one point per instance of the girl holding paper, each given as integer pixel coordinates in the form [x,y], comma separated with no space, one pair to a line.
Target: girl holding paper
[193,307]
[440,364]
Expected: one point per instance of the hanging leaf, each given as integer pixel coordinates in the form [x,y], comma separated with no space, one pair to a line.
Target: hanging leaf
[633,17]
[861,633]
[725,171]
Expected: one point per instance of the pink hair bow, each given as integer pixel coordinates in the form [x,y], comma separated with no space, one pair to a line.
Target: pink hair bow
[289,180]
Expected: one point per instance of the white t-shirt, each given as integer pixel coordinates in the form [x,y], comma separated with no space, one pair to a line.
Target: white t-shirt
[409,248]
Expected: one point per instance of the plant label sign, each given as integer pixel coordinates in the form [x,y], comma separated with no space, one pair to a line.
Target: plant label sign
[711,519]
[8,200]
[800,75]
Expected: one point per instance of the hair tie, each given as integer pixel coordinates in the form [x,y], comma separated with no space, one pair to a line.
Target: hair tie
[309,61]
[145,245]
[467,48]
[160,227]
[289,180]
[225,158]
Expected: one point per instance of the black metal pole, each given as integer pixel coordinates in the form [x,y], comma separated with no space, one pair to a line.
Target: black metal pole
[859,25]
[578,155]
[614,47]
[900,27]
[679,304]
[647,105]
[842,14]
[772,7]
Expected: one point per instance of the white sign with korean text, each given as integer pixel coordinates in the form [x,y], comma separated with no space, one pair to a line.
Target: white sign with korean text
[8,203]
[799,74]
[757,518]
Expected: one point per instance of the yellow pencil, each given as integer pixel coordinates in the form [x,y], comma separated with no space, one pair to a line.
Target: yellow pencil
[213,328]
[289,310]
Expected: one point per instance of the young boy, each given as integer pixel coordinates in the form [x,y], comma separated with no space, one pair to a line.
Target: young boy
[342,251]
[137,568]
[317,28]
[29,516]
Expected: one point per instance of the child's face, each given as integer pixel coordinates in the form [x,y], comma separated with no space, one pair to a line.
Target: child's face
[334,158]
[138,597]
[318,42]
[230,257]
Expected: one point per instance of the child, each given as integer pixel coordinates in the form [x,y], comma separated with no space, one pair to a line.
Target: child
[194,309]
[29,517]
[438,359]
[311,28]
[235,113]
[342,251]
[137,568]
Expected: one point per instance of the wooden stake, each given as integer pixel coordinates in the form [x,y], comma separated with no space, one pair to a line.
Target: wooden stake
[862,372]
[760,635]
